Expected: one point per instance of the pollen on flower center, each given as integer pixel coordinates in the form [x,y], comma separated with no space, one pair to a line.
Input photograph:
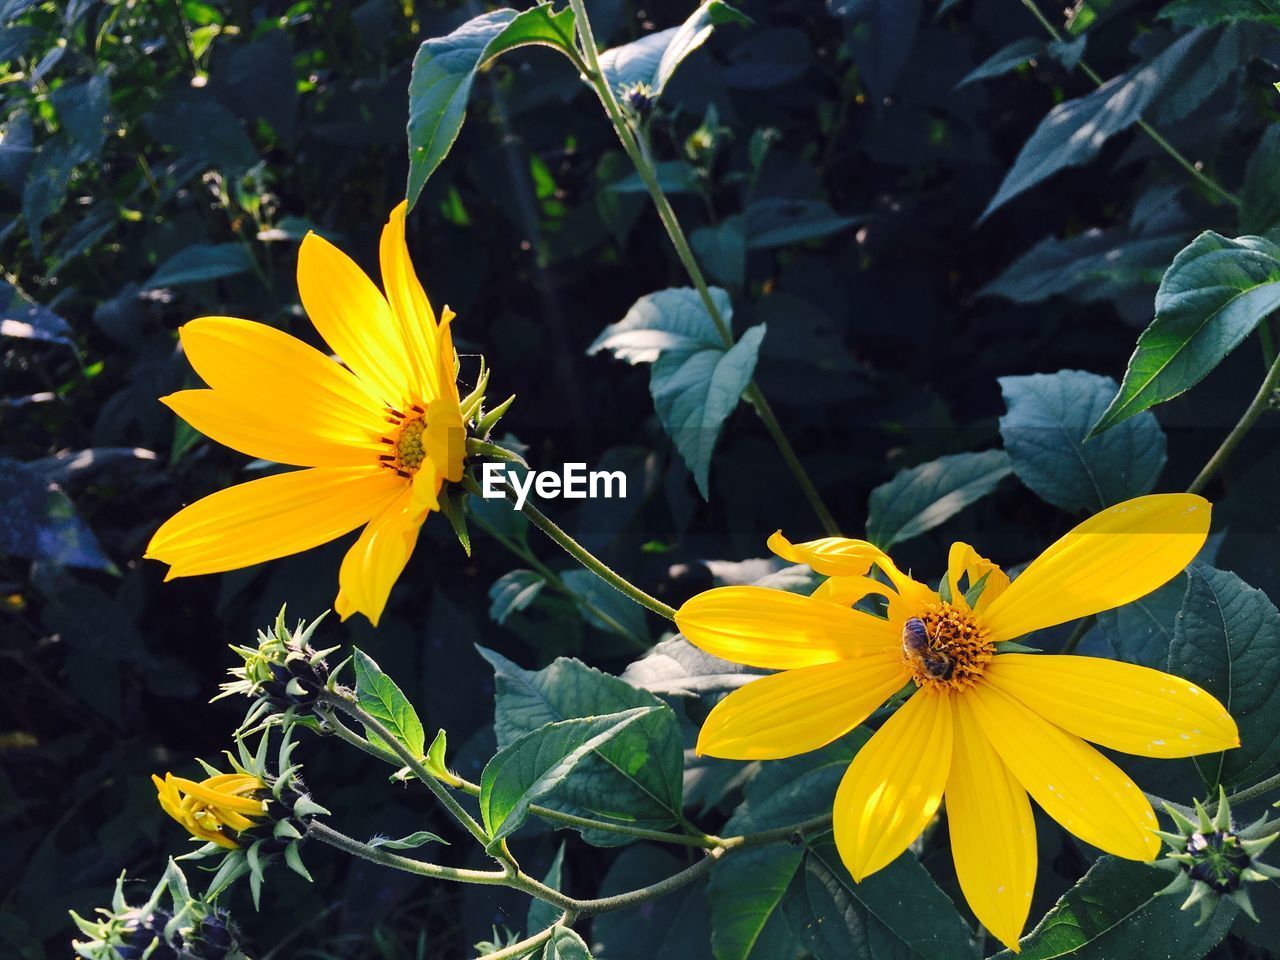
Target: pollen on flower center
[405,440]
[945,648]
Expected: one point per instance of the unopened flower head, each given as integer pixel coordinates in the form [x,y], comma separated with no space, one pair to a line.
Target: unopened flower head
[379,434]
[282,674]
[982,726]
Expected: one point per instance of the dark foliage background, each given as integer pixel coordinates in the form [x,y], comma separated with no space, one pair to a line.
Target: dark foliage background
[220,132]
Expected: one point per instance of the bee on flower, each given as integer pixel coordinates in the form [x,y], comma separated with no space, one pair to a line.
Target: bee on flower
[379,434]
[981,727]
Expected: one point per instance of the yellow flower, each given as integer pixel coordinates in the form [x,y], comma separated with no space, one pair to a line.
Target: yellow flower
[380,435]
[983,727]
[216,808]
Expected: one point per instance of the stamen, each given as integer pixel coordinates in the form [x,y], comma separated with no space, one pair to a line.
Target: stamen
[945,648]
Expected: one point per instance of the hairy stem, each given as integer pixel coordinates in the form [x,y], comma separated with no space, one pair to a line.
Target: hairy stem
[1218,190]
[386,858]
[1260,402]
[525,947]
[1249,793]
[639,156]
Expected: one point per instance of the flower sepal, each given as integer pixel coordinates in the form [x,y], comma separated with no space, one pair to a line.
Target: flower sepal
[283,674]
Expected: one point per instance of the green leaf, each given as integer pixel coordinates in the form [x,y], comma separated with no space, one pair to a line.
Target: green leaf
[604,607]
[203,261]
[16,150]
[513,592]
[1208,13]
[1045,431]
[668,928]
[896,912]
[1073,132]
[747,921]
[82,111]
[1142,631]
[880,35]
[40,522]
[1227,640]
[1114,912]
[652,60]
[196,125]
[565,945]
[382,700]
[445,67]
[411,842]
[1007,58]
[24,320]
[919,499]
[637,778]
[722,249]
[534,765]
[1214,294]
[695,382]
[1260,194]
[777,222]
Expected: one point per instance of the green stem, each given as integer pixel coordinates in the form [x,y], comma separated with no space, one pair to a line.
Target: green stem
[525,947]
[386,858]
[590,560]
[1260,402]
[639,156]
[349,706]
[1257,790]
[1077,635]
[1208,182]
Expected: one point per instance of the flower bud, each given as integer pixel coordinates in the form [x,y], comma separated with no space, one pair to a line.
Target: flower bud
[284,673]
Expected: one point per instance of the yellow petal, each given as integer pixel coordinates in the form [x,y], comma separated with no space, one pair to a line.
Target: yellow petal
[1119,705]
[847,591]
[374,563]
[409,304]
[799,710]
[445,438]
[894,785]
[993,835]
[355,320]
[1116,556]
[271,517]
[964,561]
[272,434]
[778,630]
[266,369]
[1075,784]
[446,359]
[829,556]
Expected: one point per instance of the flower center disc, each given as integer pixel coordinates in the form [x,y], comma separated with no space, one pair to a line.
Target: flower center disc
[945,648]
[405,441]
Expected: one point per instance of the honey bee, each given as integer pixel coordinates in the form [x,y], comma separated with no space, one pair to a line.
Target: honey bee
[919,652]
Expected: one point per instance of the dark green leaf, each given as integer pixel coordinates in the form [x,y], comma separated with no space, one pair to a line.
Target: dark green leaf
[534,765]
[565,945]
[722,249]
[1113,912]
[604,607]
[895,912]
[445,67]
[1045,430]
[1213,296]
[82,111]
[40,523]
[880,34]
[776,222]
[30,321]
[747,922]
[636,778]
[1005,59]
[652,60]
[381,699]
[16,151]
[204,261]
[46,188]
[1141,631]
[1260,196]
[542,914]
[919,499]
[513,592]
[669,928]
[1227,640]
[200,128]
[1207,13]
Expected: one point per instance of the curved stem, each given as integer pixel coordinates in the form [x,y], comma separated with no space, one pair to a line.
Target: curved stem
[1257,790]
[524,948]
[640,159]
[590,560]
[1260,402]
[1203,178]
[386,858]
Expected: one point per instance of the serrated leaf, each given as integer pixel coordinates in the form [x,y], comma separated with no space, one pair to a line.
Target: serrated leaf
[919,499]
[636,778]
[445,67]
[382,699]
[513,592]
[200,262]
[897,911]
[534,765]
[1045,430]
[1114,912]
[1213,295]
[653,60]
[1227,640]
[411,842]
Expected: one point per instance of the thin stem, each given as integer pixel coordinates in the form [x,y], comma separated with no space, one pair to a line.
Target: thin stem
[435,871]
[1208,182]
[1257,790]
[590,560]
[638,153]
[348,706]
[525,947]
[1260,402]
[1077,635]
